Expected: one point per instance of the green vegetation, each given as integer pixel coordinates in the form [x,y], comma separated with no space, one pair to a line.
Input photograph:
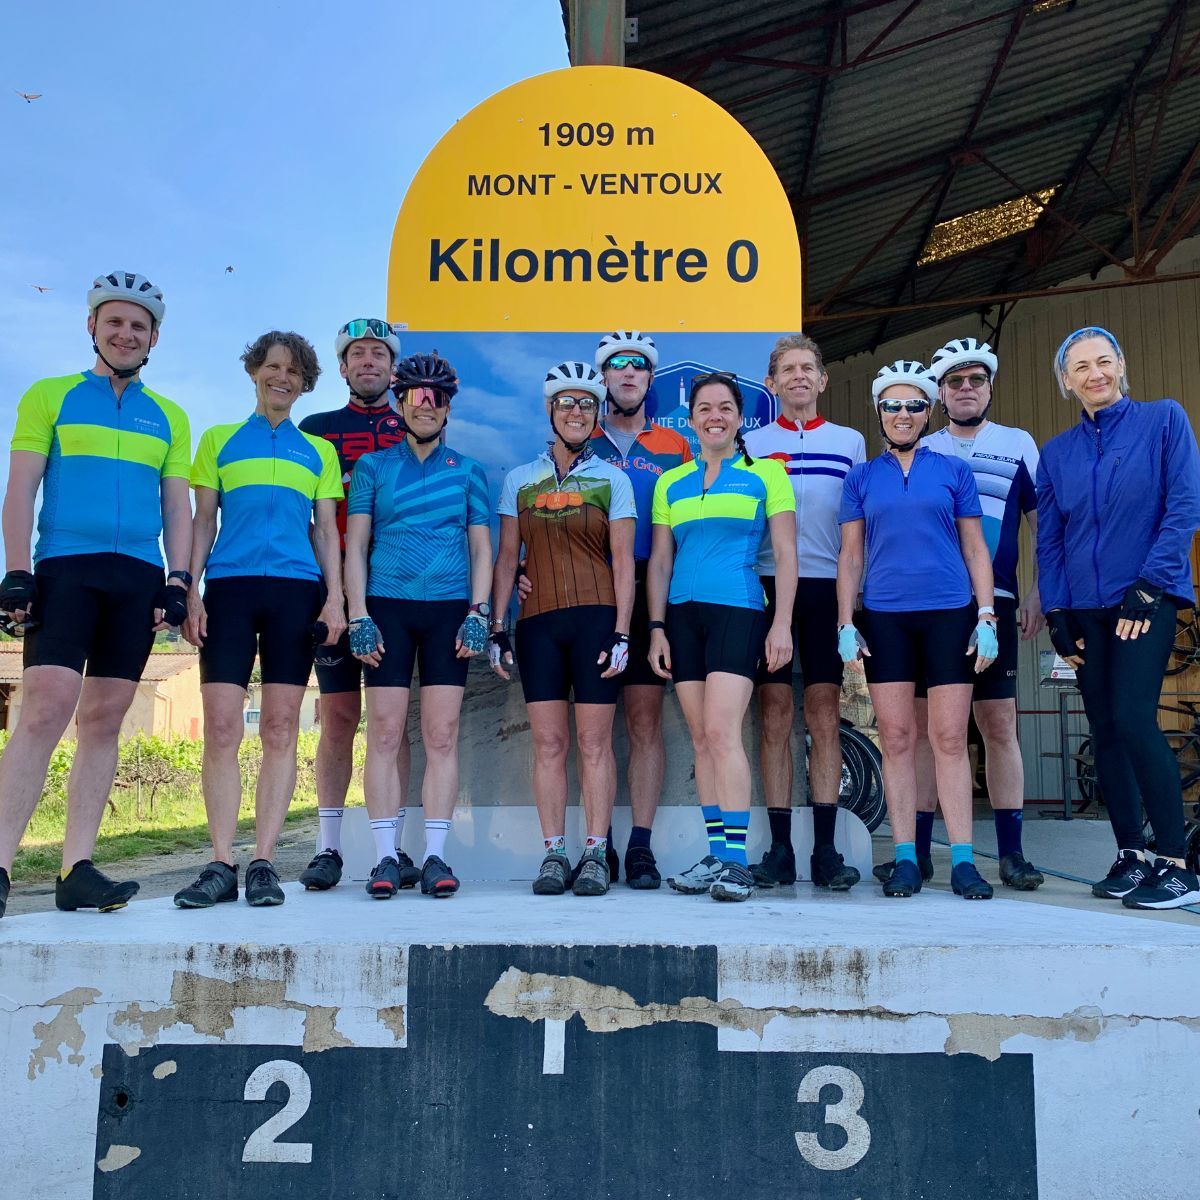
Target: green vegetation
[156,806]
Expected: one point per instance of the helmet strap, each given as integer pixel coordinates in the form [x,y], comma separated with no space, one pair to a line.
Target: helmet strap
[429,437]
[902,446]
[574,447]
[627,412]
[969,422]
[124,372]
[368,401]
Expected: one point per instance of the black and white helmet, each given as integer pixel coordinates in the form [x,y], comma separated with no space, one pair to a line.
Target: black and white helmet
[960,352]
[127,285]
[576,375]
[905,371]
[626,341]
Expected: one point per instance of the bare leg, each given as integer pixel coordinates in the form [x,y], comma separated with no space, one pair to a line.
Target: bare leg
[949,709]
[726,698]
[220,775]
[387,729]
[896,722]
[822,709]
[927,793]
[551,739]
[278,730]
[777,711]
[440,708]
[340,712]
[647,753]
[997,721]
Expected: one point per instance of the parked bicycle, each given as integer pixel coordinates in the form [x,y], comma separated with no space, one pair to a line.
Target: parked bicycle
[861,788]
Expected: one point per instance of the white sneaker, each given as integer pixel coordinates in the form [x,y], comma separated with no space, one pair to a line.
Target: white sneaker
[698,879]
[734,883]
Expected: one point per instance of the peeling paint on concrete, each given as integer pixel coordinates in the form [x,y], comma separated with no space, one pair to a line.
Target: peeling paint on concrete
[64,1031]
[118,1157]
[149,1024]
[206,1003]
[165,1068]
[393,1018]
[537,997]
[319,1028]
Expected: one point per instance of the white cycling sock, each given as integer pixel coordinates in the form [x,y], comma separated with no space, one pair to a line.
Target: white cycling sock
[435,837]
[331,828]
[384,833]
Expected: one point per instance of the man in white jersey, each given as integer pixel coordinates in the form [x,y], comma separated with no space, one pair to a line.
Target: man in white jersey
[1004,461]
[816,455]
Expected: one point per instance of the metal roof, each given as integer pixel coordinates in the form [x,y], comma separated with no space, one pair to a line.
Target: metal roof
[886,117]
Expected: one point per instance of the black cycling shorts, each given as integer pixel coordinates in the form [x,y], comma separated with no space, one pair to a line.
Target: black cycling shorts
[255,614]
[96,609]
[343,675]
[930,643]
[639,673]
[814,632]
[420,632]
[999,681]
[714,637]
[556,653]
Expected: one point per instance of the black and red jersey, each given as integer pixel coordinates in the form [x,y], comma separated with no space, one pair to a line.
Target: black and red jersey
[355,431]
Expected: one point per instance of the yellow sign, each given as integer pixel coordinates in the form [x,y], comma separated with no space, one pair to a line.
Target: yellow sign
[594,198]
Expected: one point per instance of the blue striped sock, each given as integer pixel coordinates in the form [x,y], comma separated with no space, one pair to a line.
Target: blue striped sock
[736,824]
[906,852]
[715,828]
[961,852]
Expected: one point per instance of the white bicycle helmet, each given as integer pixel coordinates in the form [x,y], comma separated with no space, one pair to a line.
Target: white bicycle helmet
[627,341]
[127,285]
[574,375]
[905,371]
[367,327]
[960,352]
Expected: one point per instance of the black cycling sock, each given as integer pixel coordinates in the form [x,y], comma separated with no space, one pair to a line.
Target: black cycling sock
[925,834]
[781,825]
[824,819]
[639,835]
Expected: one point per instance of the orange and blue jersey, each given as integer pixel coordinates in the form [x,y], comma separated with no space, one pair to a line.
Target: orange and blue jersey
[106,458]
[268,480]
[655,450]
[717,532]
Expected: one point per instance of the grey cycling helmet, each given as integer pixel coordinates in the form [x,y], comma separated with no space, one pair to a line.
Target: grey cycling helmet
[127,285]
[574,375]
[626,341]
[366,327]
[960,352]
[908,371]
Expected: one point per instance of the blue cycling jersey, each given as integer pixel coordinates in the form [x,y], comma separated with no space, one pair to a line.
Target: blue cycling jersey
[419,514]
[718,531]
[914,558]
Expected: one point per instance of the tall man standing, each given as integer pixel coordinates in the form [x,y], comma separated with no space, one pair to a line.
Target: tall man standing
[112,458]
[1004,461]
[817,455]
[367,350]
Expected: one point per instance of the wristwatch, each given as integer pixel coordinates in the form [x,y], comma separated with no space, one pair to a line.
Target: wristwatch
[484,609]
[185,577]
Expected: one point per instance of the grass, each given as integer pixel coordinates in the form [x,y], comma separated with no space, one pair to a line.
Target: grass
[177,822]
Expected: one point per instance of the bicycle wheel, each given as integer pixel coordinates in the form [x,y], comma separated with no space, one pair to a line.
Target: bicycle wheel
[1186,650]
[862,777]
[1085,775]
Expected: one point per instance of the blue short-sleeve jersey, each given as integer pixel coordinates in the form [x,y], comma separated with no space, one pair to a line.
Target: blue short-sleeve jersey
[420,512]
[914,558]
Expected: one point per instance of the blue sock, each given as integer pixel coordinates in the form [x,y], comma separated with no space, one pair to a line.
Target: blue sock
[715,828]
[924,841]
[1008,830]
[906,852]
[639,835]
[961,852]
[735,824]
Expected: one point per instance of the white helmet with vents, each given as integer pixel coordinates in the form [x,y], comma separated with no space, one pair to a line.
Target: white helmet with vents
[959,353]
[574,376]
[905,371]
[626,341]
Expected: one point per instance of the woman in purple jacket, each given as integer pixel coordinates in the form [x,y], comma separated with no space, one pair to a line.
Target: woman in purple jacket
[1118,506]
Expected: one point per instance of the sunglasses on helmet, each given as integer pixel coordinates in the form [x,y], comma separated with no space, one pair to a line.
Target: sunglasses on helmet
[367,325]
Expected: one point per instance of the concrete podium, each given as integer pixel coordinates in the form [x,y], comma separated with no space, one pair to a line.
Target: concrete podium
[636,1045]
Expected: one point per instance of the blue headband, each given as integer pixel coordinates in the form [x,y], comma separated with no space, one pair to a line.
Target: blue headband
[1086,332]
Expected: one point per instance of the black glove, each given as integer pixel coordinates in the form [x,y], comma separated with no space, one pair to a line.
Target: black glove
[172,599]
[1141,602]
[498,647]
[1064,632]
[18,590]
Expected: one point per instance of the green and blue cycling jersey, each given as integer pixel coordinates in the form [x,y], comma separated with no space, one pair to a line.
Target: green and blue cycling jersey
[268,480]
[420,513]
[106,458]
[718,532]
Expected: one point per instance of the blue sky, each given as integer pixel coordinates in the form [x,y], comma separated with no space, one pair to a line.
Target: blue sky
[176,140]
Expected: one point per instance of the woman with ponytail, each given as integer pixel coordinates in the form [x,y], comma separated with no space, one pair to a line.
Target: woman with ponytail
[914,516]
[708,627]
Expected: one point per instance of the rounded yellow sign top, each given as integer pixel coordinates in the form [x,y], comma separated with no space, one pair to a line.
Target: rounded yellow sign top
[596,197]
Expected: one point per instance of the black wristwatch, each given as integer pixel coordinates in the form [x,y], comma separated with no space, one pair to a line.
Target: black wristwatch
[184,576]
[656,625]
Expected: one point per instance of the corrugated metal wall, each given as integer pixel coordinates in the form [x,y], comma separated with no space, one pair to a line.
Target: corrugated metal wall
[1158,328]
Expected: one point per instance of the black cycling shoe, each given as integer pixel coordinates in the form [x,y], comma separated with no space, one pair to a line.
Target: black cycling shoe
[409,873]
[641,870]
[967,882]
[385,879]
[883,871]
[437,879]
[323,872]
[1129,871]
[778,866]
[5,886]
[262,884]
[905,880]
[218,883]
[830,870]
[1016,871]
[87,887]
